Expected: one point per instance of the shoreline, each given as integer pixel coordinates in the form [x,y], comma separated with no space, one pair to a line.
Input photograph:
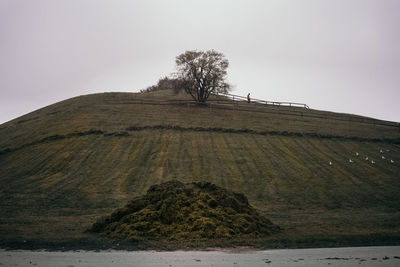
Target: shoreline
[101,244]
[232,250]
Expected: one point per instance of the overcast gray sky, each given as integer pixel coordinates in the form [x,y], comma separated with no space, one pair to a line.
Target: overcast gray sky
[339,55]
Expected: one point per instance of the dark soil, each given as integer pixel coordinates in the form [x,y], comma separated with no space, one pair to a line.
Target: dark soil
[193,211]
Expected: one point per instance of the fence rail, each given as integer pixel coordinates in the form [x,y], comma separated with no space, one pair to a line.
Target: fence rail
[265,102]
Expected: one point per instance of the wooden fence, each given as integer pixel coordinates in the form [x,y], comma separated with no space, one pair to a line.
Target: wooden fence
[265,102]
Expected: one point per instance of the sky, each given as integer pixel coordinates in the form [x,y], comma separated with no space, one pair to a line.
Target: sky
[340,55]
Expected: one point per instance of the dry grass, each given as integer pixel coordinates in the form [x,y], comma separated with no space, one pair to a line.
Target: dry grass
[58,188]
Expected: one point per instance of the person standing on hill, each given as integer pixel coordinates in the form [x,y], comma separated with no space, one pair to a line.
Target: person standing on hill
[248,98]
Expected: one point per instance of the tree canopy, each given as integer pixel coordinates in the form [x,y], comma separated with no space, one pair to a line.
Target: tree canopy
[202,73]
[165,83]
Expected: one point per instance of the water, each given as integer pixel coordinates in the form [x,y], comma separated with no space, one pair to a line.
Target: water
[354,256]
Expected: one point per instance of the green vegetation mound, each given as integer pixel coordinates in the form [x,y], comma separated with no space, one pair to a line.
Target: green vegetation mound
[177,211]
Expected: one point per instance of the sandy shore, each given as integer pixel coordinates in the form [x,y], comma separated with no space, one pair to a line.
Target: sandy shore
[360,256]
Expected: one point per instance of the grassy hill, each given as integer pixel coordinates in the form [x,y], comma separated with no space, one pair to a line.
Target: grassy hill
[65,165]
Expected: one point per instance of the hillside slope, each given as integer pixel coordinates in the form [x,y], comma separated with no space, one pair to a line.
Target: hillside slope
[64,166]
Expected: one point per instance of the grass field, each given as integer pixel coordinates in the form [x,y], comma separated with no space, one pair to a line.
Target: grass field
[65,165]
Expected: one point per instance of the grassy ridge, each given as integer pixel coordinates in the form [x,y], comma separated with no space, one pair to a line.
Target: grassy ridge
[57,188]
[110,112]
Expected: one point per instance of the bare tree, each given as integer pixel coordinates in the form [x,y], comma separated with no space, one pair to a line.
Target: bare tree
[202,73]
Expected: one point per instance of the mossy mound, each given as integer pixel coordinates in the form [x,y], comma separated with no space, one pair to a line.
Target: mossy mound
[177,211]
